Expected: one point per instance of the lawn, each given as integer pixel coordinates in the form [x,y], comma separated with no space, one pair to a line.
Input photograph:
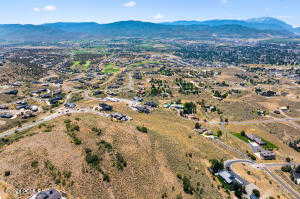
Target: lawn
[87,65]
[110,68]
[78,65]
[269,145]
[144,62]
[238,135]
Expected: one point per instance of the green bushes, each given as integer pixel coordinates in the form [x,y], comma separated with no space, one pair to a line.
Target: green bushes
[97,130]
[216,165]
[92,159]
[7,173]
[142,129]
[71,131]
[58,176]
[253,157]
[34,164]
[105,145]
[120,162]
[186,183]
[286,168]
[187,186]
[256,193]
[189,108]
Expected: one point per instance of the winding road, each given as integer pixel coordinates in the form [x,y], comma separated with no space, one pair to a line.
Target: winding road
[265,167]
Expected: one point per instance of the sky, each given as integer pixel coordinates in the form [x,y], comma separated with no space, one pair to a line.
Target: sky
[106,11]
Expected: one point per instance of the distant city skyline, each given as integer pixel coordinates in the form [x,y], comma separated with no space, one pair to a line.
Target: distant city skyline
[107,11]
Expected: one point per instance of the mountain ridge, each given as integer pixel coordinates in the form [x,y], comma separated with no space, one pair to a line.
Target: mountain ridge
[184,29]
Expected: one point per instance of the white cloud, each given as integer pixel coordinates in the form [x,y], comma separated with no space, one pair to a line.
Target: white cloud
[130,4]
[36,9]
[224,1]
[158,16]
[50,8]
[47,8]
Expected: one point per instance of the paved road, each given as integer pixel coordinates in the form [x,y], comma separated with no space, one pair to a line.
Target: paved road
[257,121]
[63,111]
[282,183]
[265,167]
[59,113]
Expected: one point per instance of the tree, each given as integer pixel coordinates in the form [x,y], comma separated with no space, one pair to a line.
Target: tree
[187,186]
[197,125]
[216,165]
[286,168]
[256,193]
[243,133]
[189,108]
[219,133]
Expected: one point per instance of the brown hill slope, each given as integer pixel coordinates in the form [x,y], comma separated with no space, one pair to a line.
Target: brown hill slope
[49,157]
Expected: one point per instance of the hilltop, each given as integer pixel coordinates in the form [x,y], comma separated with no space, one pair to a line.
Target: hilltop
[252,28]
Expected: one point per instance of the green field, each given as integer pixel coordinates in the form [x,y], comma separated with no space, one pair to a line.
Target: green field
[145,62]
[110,68]
[94,50]
[80,66]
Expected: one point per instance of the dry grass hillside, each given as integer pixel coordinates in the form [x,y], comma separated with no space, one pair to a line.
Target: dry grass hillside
[107,159]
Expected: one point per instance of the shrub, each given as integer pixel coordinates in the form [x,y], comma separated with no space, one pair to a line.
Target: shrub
[286,168]
[216,165]
[34,164]
[243,133]
[105,177]
[67,174]
[77,141]
[253,157]
[187,186]
[256,193]
[88,150]
[120,162]
[219,133]
[92,159]
[96,130]
[7,173]
[106,145]
[142,129]
[197,125]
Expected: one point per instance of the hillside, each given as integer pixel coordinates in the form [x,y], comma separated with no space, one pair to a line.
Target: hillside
[155,160]
[183,29]
[264,23]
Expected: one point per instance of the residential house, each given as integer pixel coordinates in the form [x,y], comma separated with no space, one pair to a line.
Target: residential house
[267,155]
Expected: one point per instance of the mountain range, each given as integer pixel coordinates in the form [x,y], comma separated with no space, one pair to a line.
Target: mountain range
[252,28]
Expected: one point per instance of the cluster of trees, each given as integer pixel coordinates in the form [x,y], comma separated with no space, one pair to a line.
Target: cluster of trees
[189,108]
[186,87]
[159,88]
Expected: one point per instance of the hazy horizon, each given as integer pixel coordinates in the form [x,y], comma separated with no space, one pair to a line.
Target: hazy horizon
[104,11]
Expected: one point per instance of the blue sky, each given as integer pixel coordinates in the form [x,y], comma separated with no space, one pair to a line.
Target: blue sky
[104,11]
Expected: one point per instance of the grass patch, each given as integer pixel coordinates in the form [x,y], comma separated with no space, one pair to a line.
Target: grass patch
[110,68]
[81,65]
[269,145]
[144,62]
[241,137]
